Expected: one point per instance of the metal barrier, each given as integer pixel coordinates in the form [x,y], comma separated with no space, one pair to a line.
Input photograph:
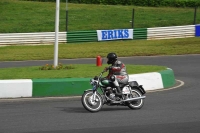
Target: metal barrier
[31,38]
[82,36]
[91,36]
[140,33]
[171,32]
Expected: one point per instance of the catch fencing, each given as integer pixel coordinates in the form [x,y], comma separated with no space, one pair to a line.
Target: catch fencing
[91,36]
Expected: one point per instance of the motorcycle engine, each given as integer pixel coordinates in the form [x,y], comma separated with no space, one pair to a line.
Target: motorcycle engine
[112,96]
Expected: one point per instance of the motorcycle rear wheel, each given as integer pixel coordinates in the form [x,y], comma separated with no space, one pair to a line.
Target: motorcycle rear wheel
[136,104]
[88,102]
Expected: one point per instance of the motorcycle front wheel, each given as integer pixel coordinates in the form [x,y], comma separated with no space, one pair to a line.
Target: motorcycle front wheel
[136,104]
[90,103]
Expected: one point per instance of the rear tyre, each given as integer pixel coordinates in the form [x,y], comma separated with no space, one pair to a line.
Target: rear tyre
[136,104]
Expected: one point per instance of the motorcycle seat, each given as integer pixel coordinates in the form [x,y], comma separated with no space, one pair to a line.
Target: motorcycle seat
[121,85]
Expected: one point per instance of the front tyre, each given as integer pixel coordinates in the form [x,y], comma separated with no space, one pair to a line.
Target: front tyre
[136,104]
[91,104]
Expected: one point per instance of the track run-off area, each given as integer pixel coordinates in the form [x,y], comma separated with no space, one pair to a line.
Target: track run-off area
[172,110]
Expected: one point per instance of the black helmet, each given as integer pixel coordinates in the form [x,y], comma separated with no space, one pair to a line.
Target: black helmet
[112,57]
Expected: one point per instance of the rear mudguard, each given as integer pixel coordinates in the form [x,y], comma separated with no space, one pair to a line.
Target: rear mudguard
[140,88]
[135,85]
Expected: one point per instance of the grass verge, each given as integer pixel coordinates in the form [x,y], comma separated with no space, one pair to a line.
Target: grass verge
[91,50]
[80,71]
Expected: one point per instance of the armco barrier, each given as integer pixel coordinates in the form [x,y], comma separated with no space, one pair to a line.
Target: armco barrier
[64,37]
[140,33]
[76,86]
[31,38]
[91,36]
[171,32]
[82,36]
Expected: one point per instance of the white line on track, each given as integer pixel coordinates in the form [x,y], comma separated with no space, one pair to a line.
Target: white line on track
[181,84]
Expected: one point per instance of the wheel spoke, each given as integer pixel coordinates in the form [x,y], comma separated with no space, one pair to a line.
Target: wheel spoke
[136,104]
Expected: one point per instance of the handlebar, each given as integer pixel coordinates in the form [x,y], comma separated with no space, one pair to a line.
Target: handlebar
[103,71]
[100,75]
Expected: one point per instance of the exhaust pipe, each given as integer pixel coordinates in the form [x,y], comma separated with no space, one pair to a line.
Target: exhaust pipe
[136,98]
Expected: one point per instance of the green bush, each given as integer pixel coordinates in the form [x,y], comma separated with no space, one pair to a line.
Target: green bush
[153,3]
[59,67]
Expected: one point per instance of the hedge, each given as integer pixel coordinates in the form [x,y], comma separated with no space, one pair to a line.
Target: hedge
[152,3]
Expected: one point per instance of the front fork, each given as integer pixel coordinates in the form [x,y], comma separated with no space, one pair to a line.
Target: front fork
[94,96]
[94,93]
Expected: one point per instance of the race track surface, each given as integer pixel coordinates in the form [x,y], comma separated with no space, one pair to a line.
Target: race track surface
[170,111]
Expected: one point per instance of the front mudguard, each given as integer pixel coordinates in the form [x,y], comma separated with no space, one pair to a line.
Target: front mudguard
[92,91]
[88,90]
[102,96]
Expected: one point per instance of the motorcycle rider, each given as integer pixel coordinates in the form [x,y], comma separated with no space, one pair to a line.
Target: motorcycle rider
[117,72]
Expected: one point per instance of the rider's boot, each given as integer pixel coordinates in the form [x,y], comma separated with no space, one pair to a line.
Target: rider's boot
[119,92]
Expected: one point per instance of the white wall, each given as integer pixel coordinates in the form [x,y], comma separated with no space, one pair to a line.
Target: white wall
[150,81]
[15,88]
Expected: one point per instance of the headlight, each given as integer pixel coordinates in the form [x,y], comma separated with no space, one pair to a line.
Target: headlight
[91,81]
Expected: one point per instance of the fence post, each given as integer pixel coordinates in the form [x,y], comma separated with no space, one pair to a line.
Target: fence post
[133,14]
[66,15]
[195,15]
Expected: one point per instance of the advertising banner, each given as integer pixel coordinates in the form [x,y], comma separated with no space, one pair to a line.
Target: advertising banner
[197,30]
[104,35]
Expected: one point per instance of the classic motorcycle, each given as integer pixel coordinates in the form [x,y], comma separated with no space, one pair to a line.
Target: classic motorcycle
[103,92]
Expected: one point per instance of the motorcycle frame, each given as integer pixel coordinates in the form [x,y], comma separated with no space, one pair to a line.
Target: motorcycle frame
[96,86]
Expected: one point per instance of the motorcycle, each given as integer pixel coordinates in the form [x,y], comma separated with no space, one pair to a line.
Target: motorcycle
[103,92]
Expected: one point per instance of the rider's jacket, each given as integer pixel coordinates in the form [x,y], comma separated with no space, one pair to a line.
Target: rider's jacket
[119,70]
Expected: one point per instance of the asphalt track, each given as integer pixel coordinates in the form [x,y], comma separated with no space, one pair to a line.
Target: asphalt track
[171,111]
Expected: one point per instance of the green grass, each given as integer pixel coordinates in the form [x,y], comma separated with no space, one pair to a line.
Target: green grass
[91,50]
[80,71]
[29,16]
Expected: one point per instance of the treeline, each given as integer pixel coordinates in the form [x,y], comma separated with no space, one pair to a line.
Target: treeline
[152,3]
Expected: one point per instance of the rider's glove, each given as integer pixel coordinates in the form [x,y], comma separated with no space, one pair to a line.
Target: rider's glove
[108,68]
